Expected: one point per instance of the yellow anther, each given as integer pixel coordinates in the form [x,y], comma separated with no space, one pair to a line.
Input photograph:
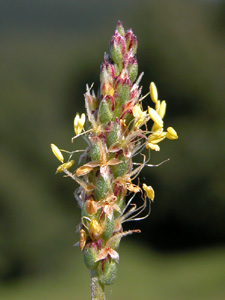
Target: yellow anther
[162,109]
[155,127]
[155,117]
[153,92]
[157,105]
[139,114]
[95,230]
[171,134]
[82,239]
[66,166]
[83,170]
[91,207]
[151,146]
[149,191]
[57,153]
[137,111]
[79,123]
[156,137]
[108,89]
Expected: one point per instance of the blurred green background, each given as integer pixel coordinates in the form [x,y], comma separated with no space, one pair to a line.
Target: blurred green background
[49,51]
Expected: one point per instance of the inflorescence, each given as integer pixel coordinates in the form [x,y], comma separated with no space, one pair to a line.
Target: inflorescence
[116,131]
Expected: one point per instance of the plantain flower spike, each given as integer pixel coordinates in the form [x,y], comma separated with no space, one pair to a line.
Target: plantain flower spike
[119,130]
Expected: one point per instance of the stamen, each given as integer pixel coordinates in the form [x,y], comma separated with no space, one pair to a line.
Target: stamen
[149,165]
[143,97]
[84,132]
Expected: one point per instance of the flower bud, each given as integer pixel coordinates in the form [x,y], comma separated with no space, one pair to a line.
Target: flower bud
[123,91]
[120,28]
[90,254]
[119,169]
[108,228]
[133,69]
[107,271]
[112,136]
[117,69]
[106,78]
[131,41]
[102,188]
[115,241]
[95,152]
[92,101]
[117,47]
[104,114]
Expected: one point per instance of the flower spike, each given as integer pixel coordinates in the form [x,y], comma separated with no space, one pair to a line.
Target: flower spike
[118,132]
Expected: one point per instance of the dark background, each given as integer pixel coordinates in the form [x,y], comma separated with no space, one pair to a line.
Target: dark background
[49,51]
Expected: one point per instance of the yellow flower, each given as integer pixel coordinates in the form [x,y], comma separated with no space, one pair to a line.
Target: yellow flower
[153,92]
[171,134]
[66,166]
[155,117]
[57,153]
[79,123]
[149,191]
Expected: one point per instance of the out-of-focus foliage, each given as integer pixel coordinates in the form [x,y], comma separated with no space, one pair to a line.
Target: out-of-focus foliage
[48,53]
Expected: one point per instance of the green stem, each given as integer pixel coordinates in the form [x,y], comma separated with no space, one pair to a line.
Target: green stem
[97,289]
